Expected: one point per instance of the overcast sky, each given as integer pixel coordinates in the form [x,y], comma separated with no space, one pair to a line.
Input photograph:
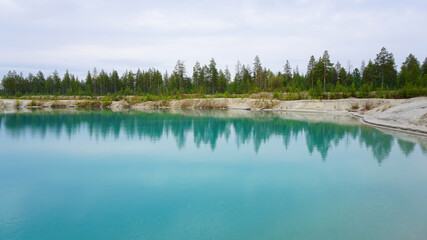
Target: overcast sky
[82,34]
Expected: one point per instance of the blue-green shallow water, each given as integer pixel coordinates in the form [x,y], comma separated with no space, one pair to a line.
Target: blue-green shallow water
[104,175]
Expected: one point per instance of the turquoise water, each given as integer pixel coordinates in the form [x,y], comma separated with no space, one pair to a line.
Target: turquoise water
[208,175]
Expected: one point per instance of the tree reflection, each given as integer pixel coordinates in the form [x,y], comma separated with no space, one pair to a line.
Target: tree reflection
[318,136]
[406,147]
[378,142]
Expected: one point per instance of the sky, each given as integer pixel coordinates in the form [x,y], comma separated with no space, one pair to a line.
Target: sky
[129,34]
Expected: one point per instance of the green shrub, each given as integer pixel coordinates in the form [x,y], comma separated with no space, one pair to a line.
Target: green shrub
[57,104]
[352,90]
[89,104]
[355,106]
[277,95]
[293,96]
[35,104]
[409,91]
[364,90]
[106,102]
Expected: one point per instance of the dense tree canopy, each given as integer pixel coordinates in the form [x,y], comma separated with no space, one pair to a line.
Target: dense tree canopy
[321,74]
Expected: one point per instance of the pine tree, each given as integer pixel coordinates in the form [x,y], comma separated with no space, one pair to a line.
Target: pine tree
[179,74]
[213,75]
[362,67]
[73,87]
[94,78]
[39,82]
[9,83]
[357,77]
[410,72]
[103,82]
[56,82]
[204,78]
[227,76]
[342,76]
[385,64]
[89,83]
[258,72]
[424,73]
[338,66]
[326,65]
[370,73]
[115,80]
[310,69]
[424,67]
[336,76]
[196,75]
[287,73]
[66,81]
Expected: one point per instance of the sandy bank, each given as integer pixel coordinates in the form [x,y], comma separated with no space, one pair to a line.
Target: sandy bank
[400,114]
[408,115]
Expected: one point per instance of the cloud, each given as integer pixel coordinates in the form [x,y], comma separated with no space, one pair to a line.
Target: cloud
[176,22]
[9,7]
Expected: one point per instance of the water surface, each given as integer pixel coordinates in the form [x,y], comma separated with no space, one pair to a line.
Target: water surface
[208,175]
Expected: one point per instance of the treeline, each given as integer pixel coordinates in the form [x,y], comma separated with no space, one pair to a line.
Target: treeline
[321,76]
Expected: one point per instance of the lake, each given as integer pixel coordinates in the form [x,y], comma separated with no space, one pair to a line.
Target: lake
[208,175]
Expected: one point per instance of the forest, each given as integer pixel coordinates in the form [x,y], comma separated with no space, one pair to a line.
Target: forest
[321,78]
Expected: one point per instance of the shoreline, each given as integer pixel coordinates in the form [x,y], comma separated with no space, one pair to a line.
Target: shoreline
[405,115]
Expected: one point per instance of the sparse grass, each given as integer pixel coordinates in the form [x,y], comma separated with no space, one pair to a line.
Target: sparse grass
[201,95]
[386,107]
[146,98]
[163,104]
[293,96]
[265,103]
[106,102]
[48,97]
[18,103]
[35,104]
[187,103]
[57,104]
[89,104]
[367,106]
[269,104]
[211,104]
[277,95]
[355,107]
